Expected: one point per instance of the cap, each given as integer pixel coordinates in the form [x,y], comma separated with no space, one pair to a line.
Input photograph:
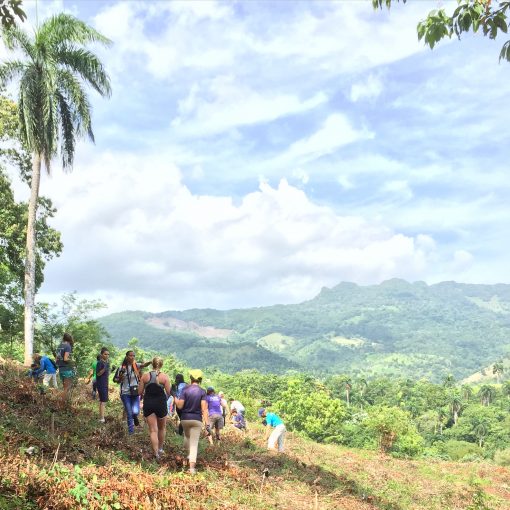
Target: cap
[261,411]
[196,374]
[210,388]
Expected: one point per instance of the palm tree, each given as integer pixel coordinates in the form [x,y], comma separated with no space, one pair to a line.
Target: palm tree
[498,369]
[467,392]
[449,381]
[455,406]
[53,110]
[486,394]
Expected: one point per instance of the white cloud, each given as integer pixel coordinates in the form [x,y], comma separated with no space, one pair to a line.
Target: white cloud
[369,89]
[227,104]
[138,232]
[335,132]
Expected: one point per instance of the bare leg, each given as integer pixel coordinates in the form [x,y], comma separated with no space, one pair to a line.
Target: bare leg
[152,422]
[161,433]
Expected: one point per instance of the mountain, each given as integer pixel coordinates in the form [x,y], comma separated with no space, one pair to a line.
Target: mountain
[396,328]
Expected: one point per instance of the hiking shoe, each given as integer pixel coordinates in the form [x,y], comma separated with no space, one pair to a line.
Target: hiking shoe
[192,471]
[136,420]
[102,420]
[161,451]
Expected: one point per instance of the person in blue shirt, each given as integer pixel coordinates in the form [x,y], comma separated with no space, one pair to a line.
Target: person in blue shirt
[47,368]
[275,430]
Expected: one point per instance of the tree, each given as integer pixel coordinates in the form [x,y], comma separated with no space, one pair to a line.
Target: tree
[486,394]
[498,369]
[455,406]
[470,15]
[9,11]
[53,110]
[449,381]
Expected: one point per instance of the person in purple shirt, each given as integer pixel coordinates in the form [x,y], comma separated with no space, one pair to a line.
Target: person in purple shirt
[194,414]
[215,410]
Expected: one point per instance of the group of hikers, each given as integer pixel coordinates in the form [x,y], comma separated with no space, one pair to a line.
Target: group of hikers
[191,408]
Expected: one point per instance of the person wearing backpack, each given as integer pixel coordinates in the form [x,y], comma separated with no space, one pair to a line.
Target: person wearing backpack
[47,367]
[154,388]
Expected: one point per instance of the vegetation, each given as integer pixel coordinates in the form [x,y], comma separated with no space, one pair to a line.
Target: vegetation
[489,17]
[53,110]
[396,329]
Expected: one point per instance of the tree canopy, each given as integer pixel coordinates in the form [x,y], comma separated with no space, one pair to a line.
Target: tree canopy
[487,16]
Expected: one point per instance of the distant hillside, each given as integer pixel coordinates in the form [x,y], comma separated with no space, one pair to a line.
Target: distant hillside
[395,328]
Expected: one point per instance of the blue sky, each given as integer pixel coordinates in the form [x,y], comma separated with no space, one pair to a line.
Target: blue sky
[254,152]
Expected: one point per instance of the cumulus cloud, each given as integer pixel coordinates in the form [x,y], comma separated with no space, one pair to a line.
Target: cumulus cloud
[139,232]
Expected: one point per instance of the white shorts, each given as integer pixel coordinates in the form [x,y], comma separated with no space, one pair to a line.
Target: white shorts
[50,378]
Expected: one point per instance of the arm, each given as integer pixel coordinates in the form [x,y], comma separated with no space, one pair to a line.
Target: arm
[89,376]
[205,412]
[146,364]
[267,432]
[168,387]
[141,385]
[100,370]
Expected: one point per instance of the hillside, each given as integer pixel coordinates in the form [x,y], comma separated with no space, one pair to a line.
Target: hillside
[79,463]
[395,328]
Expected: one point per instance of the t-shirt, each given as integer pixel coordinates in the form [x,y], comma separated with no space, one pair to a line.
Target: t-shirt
[273,419]
[130,379]
[237,406]
[102,379]
[62,349]
[179,390]
[192,396]
[93,367]
[214,404]
[239,421]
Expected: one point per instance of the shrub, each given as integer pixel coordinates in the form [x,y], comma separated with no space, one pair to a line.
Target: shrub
[502,457]
[459,450]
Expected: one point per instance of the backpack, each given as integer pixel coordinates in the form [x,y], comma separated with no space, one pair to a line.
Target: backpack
[153,387]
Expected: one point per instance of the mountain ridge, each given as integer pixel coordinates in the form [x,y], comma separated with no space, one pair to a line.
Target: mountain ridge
[393,328]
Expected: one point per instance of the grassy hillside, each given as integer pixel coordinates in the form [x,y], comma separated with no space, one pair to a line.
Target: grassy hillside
[395,328]
[80,463]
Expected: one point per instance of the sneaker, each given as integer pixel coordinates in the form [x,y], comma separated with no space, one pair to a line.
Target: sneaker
[161,451]
[137,422]
[192,471]
[102,420]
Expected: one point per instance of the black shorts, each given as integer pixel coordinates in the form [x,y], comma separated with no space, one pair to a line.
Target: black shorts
[102,393]
[157,406]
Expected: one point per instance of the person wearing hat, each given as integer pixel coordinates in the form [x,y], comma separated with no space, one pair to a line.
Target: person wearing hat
[215,410]
[275,430]
[194,414]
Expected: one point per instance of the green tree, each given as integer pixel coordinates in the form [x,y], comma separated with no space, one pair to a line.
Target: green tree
[489,17]
[449,381]
[10,10]
[455,403]
[498,369]
[75,316]
[53,110]
[486,394]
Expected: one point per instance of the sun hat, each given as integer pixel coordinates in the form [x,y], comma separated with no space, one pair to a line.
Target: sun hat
[196,374]
[262,410]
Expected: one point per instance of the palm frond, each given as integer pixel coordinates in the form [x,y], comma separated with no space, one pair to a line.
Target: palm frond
[11,70]
[69,87]
[15,38]
[87,65]
[67,131]
[65,27]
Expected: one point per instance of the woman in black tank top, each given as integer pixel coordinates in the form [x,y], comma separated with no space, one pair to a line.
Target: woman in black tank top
[154,388]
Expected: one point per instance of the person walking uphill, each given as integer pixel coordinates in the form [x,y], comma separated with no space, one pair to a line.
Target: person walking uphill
[194,413]
[154,388]
[66,366]
[128,376]
[102,375]
[215,411]
[277,435]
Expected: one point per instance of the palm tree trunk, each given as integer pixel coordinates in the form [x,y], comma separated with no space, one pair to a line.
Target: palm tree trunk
[30,259]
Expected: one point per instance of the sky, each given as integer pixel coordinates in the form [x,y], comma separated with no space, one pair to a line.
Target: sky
[254,152]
